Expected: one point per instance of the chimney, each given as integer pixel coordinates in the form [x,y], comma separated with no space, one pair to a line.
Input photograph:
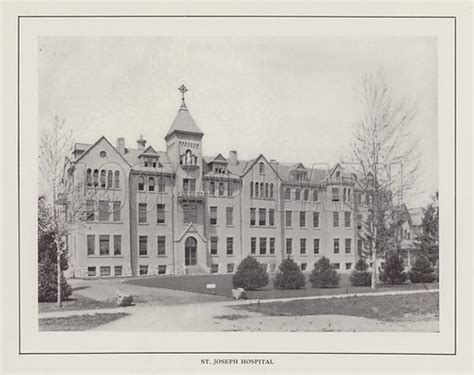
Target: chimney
[233,157]
[121,145]
[141,143]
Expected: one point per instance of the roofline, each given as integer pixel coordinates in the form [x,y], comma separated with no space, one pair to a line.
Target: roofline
[247,169]
[169,135]
[95,144]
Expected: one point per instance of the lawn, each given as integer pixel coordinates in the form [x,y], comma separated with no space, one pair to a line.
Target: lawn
[78,322]
[223,283]
[75,302]
[388,308]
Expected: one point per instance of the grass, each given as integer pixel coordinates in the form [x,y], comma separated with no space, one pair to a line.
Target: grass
[388,308]
[75,302]
[78,322]
[231,316]
[197,284]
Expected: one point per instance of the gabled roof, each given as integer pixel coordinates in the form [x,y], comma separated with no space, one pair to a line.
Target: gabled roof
[252,163]
[150,151]
[184,123]
[96,143]
[219,158]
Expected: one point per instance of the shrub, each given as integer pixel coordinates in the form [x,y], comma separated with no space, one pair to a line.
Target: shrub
[289,276]
[393,270]
[360,276]
[422,271]
[48,284]
[324,275]
[250,275]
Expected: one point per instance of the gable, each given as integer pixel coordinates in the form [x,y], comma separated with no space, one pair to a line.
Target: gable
[255,165]
[100,153]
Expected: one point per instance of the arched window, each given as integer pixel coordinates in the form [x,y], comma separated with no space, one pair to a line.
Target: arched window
[335,194]
[349,195]
[271,190]
[251,189]
[188,157]
[110,176]
[102,179]
[288,193]
[141,183]
[262,191]
[221,189]
[89,177]
[212,188]
[261,168]
[306,194]
[266,190]
[117,179]
[96,178]
[161,184]
[297,194]
[338,174]
[256,189]
[315,195]
[151,184]
[230,189]
[344,192]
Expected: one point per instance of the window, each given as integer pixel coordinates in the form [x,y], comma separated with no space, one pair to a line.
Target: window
[302,219]
[230,267]
[335,219]
[110,180]
[142,212]
[267,192]
[344,193]
[212,188]
[102,179]
[297,194]
[304,266]
[189,185]
[213,216]
[189,214]
[263,245]
[214,268]
[316,246]
[230,189]
[303,246]
[271,217]
[162,269]
[161,184]
[272,245]
[214,245]
[288,218]
[116,210]
[102,154]
[315,219]
[143,270]
[347,219]
[287,193]
[104,244]
[104,214]
[348,243]
[348,266]
[151,184]
[117,179]
[90,210]
[315,195]
[336,266]
[261,168]
[104,271]
[96,178]
[253,245]
[262,216]
[289,246]
[230,245]
[349,194]
[143,245]
[359,221]
[141,183]
[306,194]
[336,245]
[221,189]
[118,270]
[229,216]
[359,247]
[90,271]
[161,245]
[271,190]
[252,216]
[256,190]
[160,213]
[90,244]
[89,177]
[335,194]
[117,244]
[261,189]
[251,189]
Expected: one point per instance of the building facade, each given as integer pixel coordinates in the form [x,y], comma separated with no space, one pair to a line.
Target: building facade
[177,212]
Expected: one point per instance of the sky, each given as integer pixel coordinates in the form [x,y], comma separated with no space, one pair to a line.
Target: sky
[293,99]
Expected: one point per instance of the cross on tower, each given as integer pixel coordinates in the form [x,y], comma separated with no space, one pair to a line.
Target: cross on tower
[183,89]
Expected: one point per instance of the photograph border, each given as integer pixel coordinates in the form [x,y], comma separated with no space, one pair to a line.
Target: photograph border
[453,18]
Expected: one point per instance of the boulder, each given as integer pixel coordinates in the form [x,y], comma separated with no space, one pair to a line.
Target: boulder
[238,293]
[122,298]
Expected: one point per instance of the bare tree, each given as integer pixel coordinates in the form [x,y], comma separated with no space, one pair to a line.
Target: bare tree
[64,197]
[385,158]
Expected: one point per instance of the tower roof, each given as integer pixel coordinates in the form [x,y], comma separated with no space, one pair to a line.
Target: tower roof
[184,122]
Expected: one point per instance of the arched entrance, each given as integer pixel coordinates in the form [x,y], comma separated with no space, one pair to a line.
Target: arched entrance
[190,252]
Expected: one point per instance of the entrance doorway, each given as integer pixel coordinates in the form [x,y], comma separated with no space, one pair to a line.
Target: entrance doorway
[190,252]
